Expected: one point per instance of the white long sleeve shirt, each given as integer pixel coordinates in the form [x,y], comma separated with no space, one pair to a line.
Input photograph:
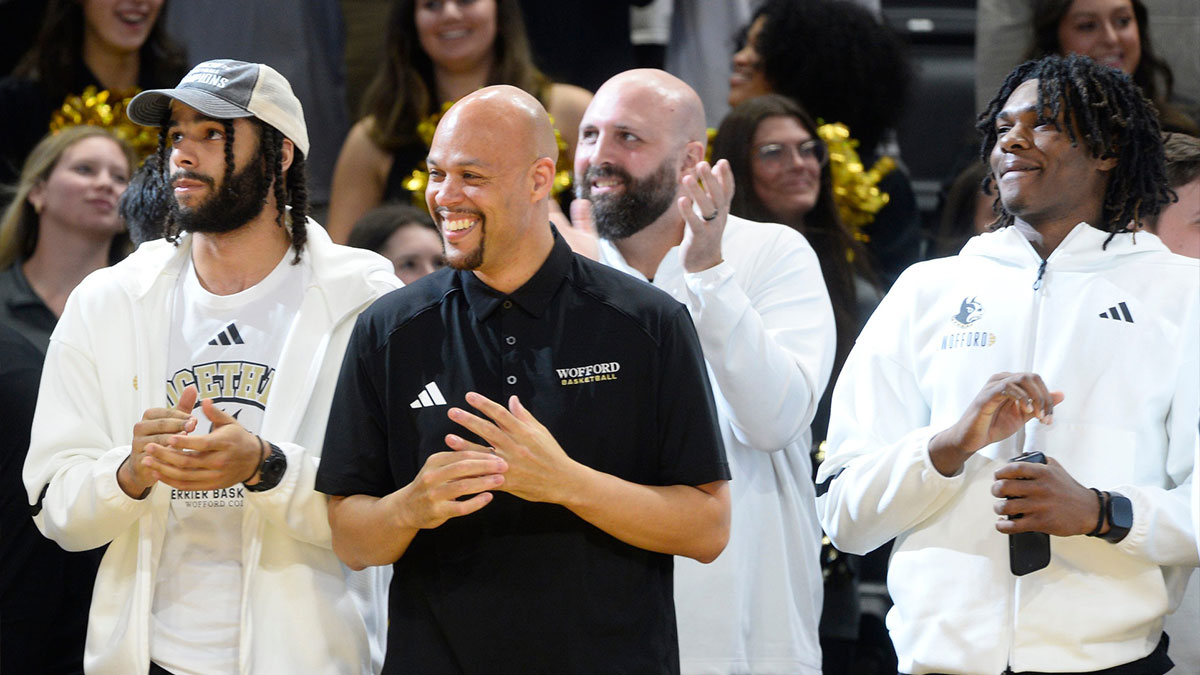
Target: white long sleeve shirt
[766,326]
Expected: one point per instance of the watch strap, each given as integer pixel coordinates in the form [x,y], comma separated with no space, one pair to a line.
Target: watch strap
[262,456]
[1101,513]
[270,473]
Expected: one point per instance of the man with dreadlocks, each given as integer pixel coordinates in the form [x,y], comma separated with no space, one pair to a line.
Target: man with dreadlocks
[184,402]
[1061,332]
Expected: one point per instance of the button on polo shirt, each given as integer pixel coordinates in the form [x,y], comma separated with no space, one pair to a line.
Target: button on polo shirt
[613,368]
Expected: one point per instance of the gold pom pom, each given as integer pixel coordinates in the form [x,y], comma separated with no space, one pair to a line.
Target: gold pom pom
[105,108]
[855,190]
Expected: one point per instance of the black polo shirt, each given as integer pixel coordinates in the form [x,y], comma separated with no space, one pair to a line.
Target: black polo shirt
[613,368]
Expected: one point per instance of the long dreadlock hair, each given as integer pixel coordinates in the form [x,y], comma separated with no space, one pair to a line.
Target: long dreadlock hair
[291,191]
[1104,109]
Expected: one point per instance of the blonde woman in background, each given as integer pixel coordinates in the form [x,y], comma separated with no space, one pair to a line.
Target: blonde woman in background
[61,225]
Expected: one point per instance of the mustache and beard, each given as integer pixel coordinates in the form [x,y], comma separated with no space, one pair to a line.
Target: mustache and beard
[473,259]
[236,203]
[632,209]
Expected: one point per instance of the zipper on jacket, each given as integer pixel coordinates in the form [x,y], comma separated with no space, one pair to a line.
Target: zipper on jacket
[1014,595]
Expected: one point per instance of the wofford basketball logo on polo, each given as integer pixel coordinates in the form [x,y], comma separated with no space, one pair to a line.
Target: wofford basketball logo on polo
[597,372]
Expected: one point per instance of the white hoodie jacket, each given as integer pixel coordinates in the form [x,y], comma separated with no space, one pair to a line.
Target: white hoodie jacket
[302,610]
[1116,331]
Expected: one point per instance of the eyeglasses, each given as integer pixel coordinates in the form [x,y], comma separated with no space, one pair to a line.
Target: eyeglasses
[779,155]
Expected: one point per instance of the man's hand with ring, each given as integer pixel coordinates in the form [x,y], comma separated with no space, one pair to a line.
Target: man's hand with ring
[708,189]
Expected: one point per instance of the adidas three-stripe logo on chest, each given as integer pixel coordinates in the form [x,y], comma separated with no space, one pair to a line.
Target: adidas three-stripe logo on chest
[429,397]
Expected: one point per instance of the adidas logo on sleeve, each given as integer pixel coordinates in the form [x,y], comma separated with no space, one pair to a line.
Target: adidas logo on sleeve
[430,396]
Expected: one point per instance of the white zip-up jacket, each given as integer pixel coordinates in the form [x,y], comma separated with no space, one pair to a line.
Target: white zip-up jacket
[302,610]
[1116,330]
[766,326]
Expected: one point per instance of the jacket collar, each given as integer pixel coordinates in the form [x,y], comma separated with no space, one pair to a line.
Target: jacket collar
[344,275]
[1083,247]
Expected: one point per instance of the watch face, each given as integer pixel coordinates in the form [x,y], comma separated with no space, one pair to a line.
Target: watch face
[1121,514]
[274,465]
[273,468]
[1120,517]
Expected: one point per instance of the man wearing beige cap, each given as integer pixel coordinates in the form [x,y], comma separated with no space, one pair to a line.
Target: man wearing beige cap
[184,402]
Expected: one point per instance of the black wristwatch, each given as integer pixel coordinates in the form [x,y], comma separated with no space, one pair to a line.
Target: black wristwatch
[1119,512]
[271,471]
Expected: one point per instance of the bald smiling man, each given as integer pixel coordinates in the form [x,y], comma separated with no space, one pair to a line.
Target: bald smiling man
[760,306]
[526,436]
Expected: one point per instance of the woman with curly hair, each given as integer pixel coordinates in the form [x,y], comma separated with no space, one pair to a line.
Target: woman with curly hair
[832,57]
[1113,33]
[842,65]
[437,51]
[113,45]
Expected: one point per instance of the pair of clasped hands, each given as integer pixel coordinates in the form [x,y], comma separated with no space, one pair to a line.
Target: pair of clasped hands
[521,458]
[165,449]
[1045,496]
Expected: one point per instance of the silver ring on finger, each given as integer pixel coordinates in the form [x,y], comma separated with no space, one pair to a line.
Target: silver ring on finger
[712,216]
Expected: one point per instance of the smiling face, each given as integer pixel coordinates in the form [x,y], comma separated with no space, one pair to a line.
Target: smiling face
[748,80]
[479,189]
[1041,176]
[785,168]
[119,26]
[1105,30]
[456,34]
[628,160]
[82,189]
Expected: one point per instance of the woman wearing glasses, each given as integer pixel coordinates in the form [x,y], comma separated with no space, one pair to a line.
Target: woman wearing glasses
[782,174]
